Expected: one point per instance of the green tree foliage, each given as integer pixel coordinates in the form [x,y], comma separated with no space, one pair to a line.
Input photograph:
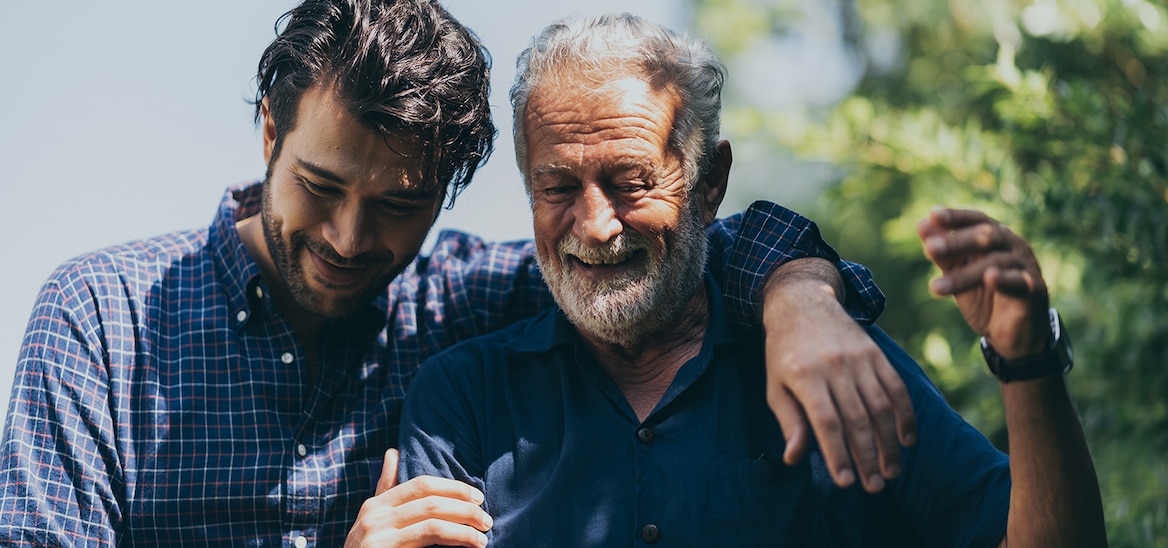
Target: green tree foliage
[1052,116]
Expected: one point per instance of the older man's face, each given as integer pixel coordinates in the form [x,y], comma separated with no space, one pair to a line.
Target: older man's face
[621,244]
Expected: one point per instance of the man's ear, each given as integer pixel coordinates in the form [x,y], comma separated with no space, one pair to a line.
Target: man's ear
[269,125]
[713,186]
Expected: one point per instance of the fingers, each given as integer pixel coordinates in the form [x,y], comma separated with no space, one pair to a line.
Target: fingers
[854,401]
[424,511]
[860,436]
[433,532]
[828,424]
[942,220]
[891,413]
[991,271]
[1016,282]
[430,508]
[388,472]
[949,247]
[899,399]
[792,421]
[974,250]
[428,486]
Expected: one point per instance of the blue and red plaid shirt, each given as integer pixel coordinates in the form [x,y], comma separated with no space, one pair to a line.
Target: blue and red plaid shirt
[159,398]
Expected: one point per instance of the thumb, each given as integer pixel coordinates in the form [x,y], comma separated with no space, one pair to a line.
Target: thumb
[388,472]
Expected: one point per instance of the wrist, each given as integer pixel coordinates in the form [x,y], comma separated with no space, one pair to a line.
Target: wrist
[1057,356]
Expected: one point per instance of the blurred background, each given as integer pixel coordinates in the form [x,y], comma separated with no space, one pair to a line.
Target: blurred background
[125,121]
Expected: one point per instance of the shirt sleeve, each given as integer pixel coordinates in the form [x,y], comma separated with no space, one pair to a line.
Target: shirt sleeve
[955,488]
[58,466]
[439,435]
[746,247]
[486,286]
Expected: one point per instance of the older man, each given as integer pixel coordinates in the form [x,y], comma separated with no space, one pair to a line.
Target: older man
[635,414]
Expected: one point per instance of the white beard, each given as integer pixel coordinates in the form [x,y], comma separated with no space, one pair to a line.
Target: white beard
[625,309]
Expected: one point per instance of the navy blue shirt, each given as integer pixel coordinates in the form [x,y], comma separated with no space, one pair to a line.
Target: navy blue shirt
[528,416]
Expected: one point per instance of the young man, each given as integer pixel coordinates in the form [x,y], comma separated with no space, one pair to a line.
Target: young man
[240,384]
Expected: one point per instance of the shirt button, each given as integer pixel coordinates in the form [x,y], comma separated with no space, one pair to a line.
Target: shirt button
[287,358]
[650,533]
[259,292]
[301,449]
[645,435]
[300,541]
[241,316]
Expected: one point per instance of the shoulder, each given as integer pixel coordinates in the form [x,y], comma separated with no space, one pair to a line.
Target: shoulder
[454,248]
[494,349]
[130,268]
[918,383]
[473,361]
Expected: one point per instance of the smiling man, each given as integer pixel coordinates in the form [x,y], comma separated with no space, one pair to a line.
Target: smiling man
[635,413]
[240,384]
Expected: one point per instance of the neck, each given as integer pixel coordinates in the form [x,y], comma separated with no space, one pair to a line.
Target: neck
[644,368]
[307,326]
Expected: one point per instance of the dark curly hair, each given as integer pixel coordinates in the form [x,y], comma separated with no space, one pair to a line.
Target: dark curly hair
[402,67]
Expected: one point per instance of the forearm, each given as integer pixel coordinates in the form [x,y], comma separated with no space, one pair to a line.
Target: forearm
[1055,497]
[817,276]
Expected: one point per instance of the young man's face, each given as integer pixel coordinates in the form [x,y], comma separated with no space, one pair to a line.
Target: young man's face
[345,208]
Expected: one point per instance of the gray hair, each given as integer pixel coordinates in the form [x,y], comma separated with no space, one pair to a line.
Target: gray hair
[609,44]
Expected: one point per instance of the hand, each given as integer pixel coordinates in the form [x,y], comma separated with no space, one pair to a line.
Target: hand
[424,511]
[823,367]
[994,277]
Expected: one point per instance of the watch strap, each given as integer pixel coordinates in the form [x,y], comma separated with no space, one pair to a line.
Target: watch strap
[1057,358]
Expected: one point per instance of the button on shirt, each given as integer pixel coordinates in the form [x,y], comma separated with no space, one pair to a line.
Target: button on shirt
[159,398]
[529,417]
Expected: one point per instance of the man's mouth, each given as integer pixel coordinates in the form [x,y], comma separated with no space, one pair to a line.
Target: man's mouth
[338,276]
[607,264]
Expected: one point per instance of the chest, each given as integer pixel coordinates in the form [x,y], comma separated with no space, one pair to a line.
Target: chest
[222,435]
[569,463]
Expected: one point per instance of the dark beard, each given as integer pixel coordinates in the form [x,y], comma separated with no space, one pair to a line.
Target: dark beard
[295,280]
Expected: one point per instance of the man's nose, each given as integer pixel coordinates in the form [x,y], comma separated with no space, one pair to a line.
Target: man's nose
[349,231]
[596,217]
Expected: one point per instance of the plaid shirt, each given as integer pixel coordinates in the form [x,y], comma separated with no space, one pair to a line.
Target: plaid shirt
[159,398]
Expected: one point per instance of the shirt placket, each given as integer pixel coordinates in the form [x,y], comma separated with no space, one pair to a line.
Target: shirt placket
[304,478]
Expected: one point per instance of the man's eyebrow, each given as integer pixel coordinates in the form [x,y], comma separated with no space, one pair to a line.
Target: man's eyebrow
[419,192]
[550,169]
[320,171]
[635,164]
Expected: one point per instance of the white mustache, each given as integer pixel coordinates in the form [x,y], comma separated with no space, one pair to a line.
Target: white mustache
[615,251]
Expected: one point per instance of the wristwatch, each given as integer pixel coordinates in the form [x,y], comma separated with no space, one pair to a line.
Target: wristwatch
[1057,357]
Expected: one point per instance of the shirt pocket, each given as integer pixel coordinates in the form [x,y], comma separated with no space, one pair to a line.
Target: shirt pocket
[756,501]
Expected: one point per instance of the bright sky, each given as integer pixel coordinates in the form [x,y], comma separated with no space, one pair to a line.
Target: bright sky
[125,120]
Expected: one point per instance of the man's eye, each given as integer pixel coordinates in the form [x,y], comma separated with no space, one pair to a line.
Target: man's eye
[629,187]
[398,208]
[320,190]
[558,193]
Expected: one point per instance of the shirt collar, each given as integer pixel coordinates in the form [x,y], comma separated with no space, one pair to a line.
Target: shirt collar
[237,270]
